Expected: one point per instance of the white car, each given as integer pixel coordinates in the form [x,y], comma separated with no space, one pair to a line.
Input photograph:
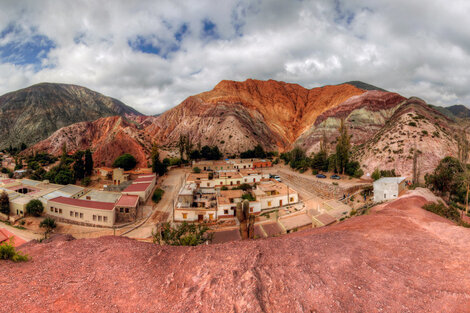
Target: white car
[277,178]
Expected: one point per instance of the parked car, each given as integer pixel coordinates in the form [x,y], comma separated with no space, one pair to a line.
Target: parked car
[277,178]
[321,176]
[335,177]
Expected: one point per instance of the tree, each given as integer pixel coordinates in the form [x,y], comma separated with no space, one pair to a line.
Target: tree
[196,170]
[4,203]
[195,155]
[49,224]
[157,195]
[64,177]
[376,174]
[79,169]
[463,151]
[206,152]
[88,163]
[157,166]
[259,152]
[34,207]
[343,146]
[125,161]
[320,161]
[445,176]
[188,146]
[182,235]
[63,157]
[181,145]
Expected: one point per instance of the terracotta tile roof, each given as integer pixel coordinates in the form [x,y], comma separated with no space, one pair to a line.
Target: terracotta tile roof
[109,169]
[231,194]
[128,200]
[145,179]
[5,235]
[84,203]
[137,187]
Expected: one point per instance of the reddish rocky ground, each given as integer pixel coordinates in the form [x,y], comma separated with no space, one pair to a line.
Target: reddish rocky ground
[399,258]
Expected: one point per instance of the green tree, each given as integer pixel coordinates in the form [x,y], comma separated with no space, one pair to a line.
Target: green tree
[376,174]
[64,177]
[34,207]
[182,235]
[4,203]
[88,162]
[49,224]
[320,161]
[181,145]
[125,161]
[79,169]
[157,195]
[446,177]
[259,152]
[343,146]
[157,166]
[196,170]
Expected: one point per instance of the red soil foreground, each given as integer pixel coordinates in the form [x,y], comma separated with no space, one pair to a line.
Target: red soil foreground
[399,258]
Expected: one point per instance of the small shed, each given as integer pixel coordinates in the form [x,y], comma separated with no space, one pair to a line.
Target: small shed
[387,188]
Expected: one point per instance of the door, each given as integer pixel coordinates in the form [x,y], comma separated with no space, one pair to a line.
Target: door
[280,202]
[200,218]
[211,216]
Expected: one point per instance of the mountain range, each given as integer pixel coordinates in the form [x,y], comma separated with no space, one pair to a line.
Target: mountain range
[236,116]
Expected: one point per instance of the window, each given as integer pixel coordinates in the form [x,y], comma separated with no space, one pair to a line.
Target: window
[208,184]
[99,218]
[71,213]
[94,217]
[81,215]
[225,212]
[269,203]
[60,211]
[121,210]
[55,210]
[105,218]
[185,215]
[291,199]
[127,210]
[251,210]
[76,214]
[52,210]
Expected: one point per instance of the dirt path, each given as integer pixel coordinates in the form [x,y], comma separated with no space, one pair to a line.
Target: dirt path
[163,211]
[24,234]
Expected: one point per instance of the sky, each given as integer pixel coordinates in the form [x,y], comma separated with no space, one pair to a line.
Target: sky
[153,54]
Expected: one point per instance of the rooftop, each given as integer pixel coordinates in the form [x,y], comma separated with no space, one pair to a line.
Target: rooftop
[128,200]
[197,176]
[99,195]
[144,179]
[137,187]
[231,194]
[390,180]
[279,188]
[71,189]
[84,203]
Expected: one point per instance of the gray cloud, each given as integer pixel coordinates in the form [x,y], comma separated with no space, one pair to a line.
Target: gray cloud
[419,48]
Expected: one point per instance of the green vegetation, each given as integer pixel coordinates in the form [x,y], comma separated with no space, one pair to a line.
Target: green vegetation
[34,207]
[182,235]
[441,209]
[49,224]
[256,152]
[447,179]
[196,170]
[413,124]
[126,161]
[248,196]
[157,166]
[86,181]
[376,174]
[4,203]
[8,252]
[88,163]
[157,195]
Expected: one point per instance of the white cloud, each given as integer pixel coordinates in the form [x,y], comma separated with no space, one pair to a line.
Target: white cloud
[416,48]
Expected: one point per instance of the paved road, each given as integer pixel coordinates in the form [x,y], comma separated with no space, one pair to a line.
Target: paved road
[163,212]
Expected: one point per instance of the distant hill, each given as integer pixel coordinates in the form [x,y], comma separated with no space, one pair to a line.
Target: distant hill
[364,86]
[32,114]
[454,111]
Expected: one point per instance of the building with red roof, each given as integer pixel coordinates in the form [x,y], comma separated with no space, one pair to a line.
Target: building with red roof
[143,190]
[82,212]
[6,236]
[126,208]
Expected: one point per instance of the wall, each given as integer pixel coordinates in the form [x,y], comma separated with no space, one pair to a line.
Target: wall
[86,219]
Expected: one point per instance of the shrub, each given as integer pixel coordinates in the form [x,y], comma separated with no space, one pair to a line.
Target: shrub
[34,207]
[376,174]
[86,181]
[441,209]
[182,235]
[248,196]
[49,224]
[196,170]
[413,124]
[8,252]
[424,132]
[125,161]
[224,188]
[157,195]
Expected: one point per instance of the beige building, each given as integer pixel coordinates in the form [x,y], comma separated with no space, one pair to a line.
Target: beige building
[272,194]
[126,208]
[82,212]
[119,176]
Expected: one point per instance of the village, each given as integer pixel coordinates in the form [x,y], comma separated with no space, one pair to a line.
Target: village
[205,192]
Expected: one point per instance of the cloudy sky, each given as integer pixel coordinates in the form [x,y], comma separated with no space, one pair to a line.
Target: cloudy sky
[154,54]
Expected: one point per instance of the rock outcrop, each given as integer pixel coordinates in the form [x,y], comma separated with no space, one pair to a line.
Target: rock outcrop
[108,138]
[34,113]
[398,258]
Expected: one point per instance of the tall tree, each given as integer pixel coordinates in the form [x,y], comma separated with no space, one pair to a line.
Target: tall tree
[88,163]
[188,146]
[157,166]
[4,203]
[343,146]
[181,145]
[463,151]
[63,157]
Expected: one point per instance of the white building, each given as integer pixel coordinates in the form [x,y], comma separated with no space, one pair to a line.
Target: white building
[387,188]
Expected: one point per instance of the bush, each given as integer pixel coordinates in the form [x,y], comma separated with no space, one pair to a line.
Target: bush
[86,181]
[196,170]
[8,252]
[441,209]
[49,224]
[125,161]
[157,195]
[182,235]
[248,196]
[413,124]
[34,208]
[376,174]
